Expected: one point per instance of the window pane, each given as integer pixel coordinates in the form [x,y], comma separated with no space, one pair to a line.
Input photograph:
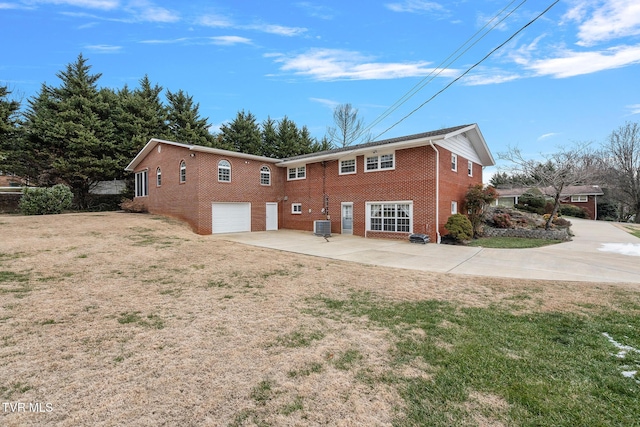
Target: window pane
[302,171]
[292,173]
[265,176]
[372,163]
[347,166]
[376,224]
[386,161]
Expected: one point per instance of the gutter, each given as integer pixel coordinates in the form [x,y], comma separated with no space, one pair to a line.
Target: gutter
[438,238]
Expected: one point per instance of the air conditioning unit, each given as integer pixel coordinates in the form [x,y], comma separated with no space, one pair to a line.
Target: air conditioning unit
[322,228]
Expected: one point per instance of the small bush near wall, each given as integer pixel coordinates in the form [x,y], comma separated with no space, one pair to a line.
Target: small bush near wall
[574,211]
[10,202]
[502,220]
[459,227]
[134,206]
[45,201]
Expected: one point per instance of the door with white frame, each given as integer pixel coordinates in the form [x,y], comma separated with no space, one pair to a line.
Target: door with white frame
[347,217]
[272,216]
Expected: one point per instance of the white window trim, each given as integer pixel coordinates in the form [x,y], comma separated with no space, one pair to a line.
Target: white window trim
[355,166]
[142,178]
[224,167]
[379,156]
[182,179]
[397,202]
[297,169]
[454,207]
[454,162]
[296,211]
[470,168]
[579,198]
[158,176]
[267,173]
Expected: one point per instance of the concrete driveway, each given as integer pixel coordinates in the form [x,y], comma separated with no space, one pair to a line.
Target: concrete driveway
[582,259]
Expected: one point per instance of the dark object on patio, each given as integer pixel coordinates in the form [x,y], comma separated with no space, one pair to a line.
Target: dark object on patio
[419,238]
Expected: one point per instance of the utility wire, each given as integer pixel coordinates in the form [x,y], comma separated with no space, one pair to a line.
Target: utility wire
[468,70]
[442,66]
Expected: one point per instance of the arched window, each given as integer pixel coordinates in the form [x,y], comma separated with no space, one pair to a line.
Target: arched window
[158,177]
[224,171]
[183,171]
[265,175]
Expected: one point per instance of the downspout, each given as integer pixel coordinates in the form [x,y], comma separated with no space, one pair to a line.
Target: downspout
[437,191]
[595,203]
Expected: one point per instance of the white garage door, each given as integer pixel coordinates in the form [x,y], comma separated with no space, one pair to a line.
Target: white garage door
[230,217]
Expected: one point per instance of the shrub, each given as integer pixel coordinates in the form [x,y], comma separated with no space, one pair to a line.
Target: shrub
[459,227]
[45,201]
[133,206]
[561,222]
[574,211]
[502,220]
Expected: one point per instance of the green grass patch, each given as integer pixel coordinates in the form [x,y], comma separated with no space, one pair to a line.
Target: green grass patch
[634,231]
[217,284]
[150,321]
[312,368]
[292,407]
[511,242]
[548,368]
[7,391]
[15,283]
[301,338]
[263,392]
[145,237]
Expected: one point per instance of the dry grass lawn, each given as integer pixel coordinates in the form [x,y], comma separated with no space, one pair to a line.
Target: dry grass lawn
[125,319]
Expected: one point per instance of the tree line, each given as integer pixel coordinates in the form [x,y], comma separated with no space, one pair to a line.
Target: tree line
[614,166]
[78,133]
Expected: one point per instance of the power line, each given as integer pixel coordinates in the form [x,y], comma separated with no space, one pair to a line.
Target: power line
[443,65]
[468,69]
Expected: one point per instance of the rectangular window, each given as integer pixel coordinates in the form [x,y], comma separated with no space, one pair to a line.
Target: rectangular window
[347,166]
[580,199]
[296,208]
[454,208]
[142,185]
[454,162]
[470,168]
[394,217]
[297,173]
[382,162]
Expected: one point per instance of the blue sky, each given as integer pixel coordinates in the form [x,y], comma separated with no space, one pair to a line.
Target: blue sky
[571,76]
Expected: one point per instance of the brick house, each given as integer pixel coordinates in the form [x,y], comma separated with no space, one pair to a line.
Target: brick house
[584,196]
[389,188]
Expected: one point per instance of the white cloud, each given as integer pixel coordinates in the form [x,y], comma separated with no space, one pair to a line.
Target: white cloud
[146,11]
[547,135]
[276,29]
[634,109]
[103,48]
[326,102]
[87,4]
[571,63]
[315,10]
[601,21]
[216,21]
[416,6]
[334,64]
[489,78]
[166,41]
[230,40]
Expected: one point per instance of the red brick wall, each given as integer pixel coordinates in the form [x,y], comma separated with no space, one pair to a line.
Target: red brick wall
[589,206]
[454,185]
[191,201]
[413,179]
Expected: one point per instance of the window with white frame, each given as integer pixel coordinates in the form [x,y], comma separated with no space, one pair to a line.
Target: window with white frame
[347,166]
[454,208]
[296,208]
[158,177]
[183,171]
[390,216]
[224,171]
[580,198]
[297,173]
[265,175]
[142,185]
[379,162]
[454,162]
[470,168]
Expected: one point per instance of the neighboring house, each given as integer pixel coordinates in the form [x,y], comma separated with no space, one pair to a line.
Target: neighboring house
[388,188]
[584,196]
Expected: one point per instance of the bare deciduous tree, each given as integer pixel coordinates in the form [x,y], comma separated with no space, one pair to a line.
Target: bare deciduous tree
[622,167]
[564,168]
[348,127]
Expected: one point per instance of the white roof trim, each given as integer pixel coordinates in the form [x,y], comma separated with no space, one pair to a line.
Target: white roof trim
[154,142]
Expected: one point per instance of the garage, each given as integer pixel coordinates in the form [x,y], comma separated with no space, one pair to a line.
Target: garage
[230,217]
